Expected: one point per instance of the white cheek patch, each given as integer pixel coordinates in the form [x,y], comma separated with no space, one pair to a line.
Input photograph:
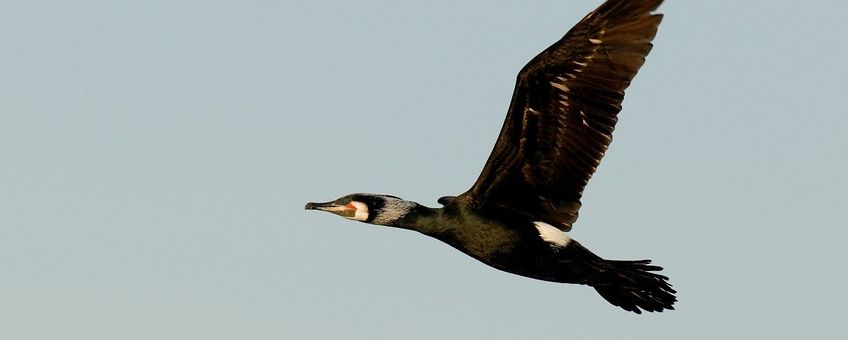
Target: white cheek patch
[361,213]
[552,234]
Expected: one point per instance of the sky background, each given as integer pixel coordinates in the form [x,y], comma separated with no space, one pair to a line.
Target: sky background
[155,158]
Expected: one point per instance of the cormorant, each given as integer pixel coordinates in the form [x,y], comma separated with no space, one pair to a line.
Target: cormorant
[557,129]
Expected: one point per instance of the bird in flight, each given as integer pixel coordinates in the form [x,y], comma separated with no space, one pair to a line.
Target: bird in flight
[559,124]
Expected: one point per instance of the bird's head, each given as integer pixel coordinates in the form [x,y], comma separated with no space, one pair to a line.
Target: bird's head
[368,208]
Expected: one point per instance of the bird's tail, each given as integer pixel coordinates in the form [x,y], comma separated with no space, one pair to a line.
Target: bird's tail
[633,286]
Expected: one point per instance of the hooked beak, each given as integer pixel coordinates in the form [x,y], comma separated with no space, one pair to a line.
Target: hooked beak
[333,207]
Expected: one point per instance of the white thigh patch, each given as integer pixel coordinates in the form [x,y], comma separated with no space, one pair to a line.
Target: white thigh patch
[552,234]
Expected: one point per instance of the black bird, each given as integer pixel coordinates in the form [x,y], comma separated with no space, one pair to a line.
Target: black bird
[557,129]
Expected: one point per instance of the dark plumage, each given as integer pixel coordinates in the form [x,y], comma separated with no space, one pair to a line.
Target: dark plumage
[558,127]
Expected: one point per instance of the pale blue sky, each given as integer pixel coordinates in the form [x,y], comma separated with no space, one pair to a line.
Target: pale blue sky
[155,158]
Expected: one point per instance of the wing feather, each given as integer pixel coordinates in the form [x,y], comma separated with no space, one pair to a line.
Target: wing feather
[563,112]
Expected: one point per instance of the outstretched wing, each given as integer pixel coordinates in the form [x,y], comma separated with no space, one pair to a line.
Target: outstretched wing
[563,112]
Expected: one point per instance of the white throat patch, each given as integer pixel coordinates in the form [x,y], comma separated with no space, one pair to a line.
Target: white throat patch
[361,213]
[552,234]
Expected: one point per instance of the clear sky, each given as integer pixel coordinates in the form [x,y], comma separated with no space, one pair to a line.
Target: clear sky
[155,158]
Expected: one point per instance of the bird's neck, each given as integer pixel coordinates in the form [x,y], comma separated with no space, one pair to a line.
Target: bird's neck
[419,218]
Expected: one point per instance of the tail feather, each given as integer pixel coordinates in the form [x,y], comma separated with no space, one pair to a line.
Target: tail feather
[633,286]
